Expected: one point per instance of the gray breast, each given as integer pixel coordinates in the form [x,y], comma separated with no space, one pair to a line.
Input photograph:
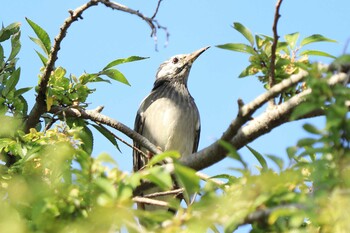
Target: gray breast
[171,119]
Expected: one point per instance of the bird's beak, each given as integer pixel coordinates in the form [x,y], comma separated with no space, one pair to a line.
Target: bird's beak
[193,56]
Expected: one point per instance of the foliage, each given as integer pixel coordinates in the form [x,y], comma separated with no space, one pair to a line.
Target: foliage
[289,56]
[49,181]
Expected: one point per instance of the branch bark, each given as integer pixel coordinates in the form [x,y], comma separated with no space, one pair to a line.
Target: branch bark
[237,135]
[261,125]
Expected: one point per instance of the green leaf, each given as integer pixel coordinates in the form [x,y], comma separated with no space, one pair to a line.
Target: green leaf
[312,129]
[238,47]
[123,60]
[232,152]
[40,43]
[2,56]
[106,158]
[277,160]
[315,38]
[88,139]
[302,110]
[107,134]
[106,186]
[22,91]
[161,157]
[25,105]
[159,176]
[292,39]
[15,45]
[187,178]
[115,75]
[7,32]
[42,58]
[244,31]
[259,157]
[306,142]
[316,53]
[248,71]
[341,64]
[11,82]
[42,35]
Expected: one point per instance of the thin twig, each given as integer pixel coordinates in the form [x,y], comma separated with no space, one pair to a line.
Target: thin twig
[156,11]
[121,140]
[274,47]
[149,201]
[165,193]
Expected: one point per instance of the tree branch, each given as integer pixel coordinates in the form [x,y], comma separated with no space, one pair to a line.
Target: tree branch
[40,104]
[263,214]
[96,116]
[259,126]
[274,47]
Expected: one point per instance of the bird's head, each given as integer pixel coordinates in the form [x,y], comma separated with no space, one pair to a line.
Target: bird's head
[178,67]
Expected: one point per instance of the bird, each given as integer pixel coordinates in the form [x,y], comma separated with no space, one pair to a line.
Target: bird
[168,117]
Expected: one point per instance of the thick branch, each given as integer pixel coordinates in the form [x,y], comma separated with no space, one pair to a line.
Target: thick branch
[96,116]
[259,126]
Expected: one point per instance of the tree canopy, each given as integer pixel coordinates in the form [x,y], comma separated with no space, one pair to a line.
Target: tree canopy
[51,182]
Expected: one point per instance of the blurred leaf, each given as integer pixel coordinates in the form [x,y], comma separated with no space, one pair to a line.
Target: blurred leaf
[277,160]
[42,35]
[49,102]
[7,32]
[303,109]
[104,157]
[244,31]
[312,129]
[248,71]
[15,45]
[116,75]
[22,91]
[187,178]
[291,151]
[106,186]
[11,82]
[341,64]
[107,134]
[87,138]
[259,157]
[315,38]
[282,46]
[292,39]
[238,48]
[123,60]
[161,157]
[306,142]
[232,152]
[316,53]
[159,176]
[25,105]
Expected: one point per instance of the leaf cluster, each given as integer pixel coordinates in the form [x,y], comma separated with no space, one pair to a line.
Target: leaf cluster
[290,56]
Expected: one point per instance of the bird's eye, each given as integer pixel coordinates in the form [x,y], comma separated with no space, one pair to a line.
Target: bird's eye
[175,60]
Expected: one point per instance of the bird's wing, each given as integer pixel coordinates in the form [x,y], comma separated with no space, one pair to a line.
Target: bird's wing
[197,134]
[140,160]
[137,156]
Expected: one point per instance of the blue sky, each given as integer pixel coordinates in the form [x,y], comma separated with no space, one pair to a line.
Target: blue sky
[104,35]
